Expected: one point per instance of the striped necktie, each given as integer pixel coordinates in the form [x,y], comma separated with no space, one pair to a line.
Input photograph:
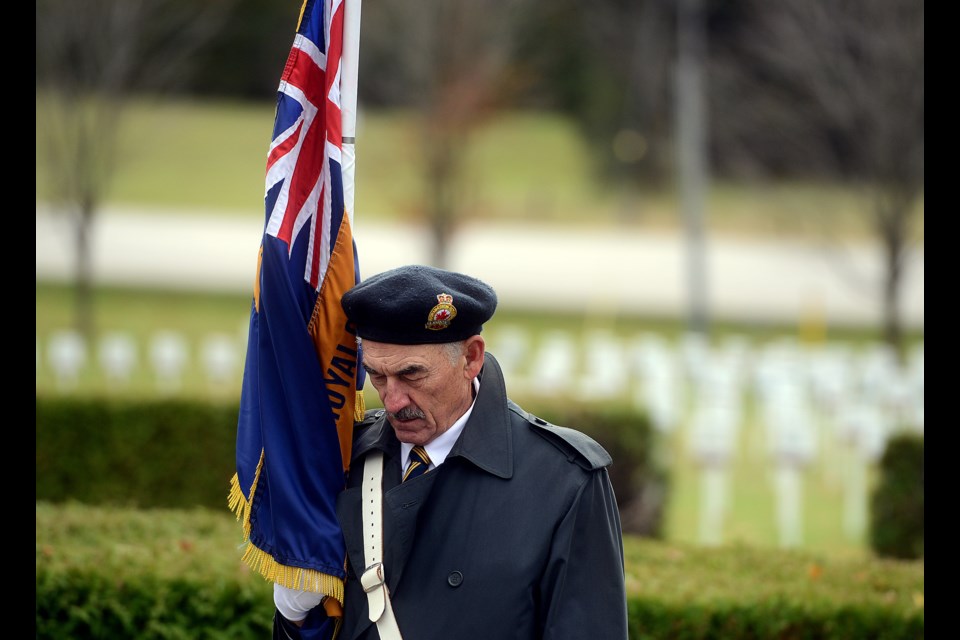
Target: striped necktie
[418,465]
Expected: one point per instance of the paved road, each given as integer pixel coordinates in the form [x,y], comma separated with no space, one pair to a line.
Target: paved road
[530,266]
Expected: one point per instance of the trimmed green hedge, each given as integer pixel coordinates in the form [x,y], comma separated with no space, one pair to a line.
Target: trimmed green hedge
[160,453]
[774,620]
[171,574]
[180,453]
[105,572]
[84,603]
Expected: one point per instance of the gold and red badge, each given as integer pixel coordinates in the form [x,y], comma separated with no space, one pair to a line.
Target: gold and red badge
[441,315]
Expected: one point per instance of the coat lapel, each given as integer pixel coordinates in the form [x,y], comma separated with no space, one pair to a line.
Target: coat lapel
[401,506]
[401,503]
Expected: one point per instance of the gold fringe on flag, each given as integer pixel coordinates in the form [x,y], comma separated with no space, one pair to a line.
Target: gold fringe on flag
[264,564]
[360,408]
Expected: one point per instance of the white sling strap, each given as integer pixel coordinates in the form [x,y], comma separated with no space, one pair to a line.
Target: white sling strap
[373,580]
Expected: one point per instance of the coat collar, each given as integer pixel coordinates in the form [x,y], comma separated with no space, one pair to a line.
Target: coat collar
[486,439]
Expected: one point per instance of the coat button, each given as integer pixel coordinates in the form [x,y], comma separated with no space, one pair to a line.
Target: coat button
[455,579]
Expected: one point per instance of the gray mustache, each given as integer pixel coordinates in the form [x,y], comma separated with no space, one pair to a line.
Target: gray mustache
[409,413]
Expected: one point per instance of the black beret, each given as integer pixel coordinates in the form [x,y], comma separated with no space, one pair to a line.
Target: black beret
[418,304]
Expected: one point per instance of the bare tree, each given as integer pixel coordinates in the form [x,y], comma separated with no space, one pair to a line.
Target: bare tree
[91,58]
[841,83]
[452,61]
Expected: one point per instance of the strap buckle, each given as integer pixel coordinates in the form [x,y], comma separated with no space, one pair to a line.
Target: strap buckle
[372,577]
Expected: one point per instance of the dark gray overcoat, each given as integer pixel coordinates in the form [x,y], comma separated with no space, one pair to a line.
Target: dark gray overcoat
[516,536]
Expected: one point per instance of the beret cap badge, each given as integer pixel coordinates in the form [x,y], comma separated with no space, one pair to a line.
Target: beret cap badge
[442,313]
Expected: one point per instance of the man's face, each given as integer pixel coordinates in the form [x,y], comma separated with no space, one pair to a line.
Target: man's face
[423,389]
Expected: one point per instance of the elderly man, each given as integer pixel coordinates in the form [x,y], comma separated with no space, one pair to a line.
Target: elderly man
[465,517]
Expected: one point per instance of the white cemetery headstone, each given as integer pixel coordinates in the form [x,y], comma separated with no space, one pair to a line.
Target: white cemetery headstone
[793,446]
[168,356]
[788,491]
[646,350]
[118,357]
[658,393]
[554,364]
[605,366]
[658,386]
[714,490]
[915,375]
[831,384]
[898,397]
[511,345]
[777,362]
[831,379]
[220,357]
[790,425]
[694,352]
[875,365]
[712,442]
[735,354]
[67,354]
[716,414]
[863,430]
[713,435]
[720,384]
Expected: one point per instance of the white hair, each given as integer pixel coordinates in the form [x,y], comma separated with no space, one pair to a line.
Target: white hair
[453,350]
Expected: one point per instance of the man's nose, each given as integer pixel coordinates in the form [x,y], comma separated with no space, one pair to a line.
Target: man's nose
[394,396]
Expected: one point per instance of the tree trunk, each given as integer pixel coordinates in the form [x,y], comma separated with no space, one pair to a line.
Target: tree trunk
[892,325]
[84,273]
[442,172]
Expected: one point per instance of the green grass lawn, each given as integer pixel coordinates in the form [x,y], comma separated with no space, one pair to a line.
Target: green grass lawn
[529,166]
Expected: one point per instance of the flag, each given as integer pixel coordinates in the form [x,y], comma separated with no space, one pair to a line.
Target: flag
[302,381]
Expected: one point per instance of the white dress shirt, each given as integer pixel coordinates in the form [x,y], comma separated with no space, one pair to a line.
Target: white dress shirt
[439,448]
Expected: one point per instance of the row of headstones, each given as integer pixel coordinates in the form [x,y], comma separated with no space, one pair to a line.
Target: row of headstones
[803,395]
[118,357]
[793,386]
[807,399]
[864,393]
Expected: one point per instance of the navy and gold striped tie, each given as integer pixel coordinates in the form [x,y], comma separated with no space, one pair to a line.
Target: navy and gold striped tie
[419,463]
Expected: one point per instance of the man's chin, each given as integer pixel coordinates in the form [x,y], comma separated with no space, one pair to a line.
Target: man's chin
[410,432]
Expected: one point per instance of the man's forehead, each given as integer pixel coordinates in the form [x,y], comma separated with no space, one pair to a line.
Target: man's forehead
[387,358]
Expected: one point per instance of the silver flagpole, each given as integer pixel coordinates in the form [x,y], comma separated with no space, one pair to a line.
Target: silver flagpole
[349,68]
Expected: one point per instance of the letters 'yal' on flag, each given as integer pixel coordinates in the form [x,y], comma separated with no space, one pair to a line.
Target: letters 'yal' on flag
[300,382]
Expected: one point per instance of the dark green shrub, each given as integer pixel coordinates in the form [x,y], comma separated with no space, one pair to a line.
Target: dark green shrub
[896,506]
[159,453]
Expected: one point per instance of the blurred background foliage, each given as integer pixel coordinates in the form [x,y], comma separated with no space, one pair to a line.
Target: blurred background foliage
[774,110]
